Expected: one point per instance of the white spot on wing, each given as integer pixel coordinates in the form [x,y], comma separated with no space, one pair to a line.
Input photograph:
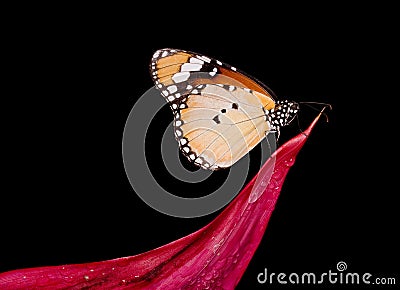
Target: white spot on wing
[196,60]
[165,93]
[156,54]
[164,54]
[181,76]
[172,89]
[191,67]
[233,68]
[206,59]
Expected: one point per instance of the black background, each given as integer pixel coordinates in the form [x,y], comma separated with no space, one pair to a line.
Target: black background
[66,198]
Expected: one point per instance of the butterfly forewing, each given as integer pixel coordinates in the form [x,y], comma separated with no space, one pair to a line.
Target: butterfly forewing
[177,72]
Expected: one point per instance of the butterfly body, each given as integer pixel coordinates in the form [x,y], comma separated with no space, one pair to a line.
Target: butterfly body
[220,114]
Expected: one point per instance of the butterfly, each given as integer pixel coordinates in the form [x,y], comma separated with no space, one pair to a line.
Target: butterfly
[220,112]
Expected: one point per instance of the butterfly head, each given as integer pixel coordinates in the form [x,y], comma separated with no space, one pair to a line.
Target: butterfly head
[283,113]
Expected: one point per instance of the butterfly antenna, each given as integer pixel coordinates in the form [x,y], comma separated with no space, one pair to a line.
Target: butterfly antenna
[325,105]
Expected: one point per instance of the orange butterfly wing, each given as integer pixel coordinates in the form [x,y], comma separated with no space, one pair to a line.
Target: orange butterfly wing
[219,125]
[179,71]
[219,111]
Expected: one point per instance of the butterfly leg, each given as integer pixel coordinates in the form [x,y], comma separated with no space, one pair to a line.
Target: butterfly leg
[277,131]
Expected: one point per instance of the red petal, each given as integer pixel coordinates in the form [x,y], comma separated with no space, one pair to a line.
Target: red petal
[215,256]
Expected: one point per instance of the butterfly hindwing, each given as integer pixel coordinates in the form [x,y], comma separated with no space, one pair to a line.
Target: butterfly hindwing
[218,124]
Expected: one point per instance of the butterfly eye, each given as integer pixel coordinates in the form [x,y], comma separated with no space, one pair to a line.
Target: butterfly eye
[294,107]
[223,111]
